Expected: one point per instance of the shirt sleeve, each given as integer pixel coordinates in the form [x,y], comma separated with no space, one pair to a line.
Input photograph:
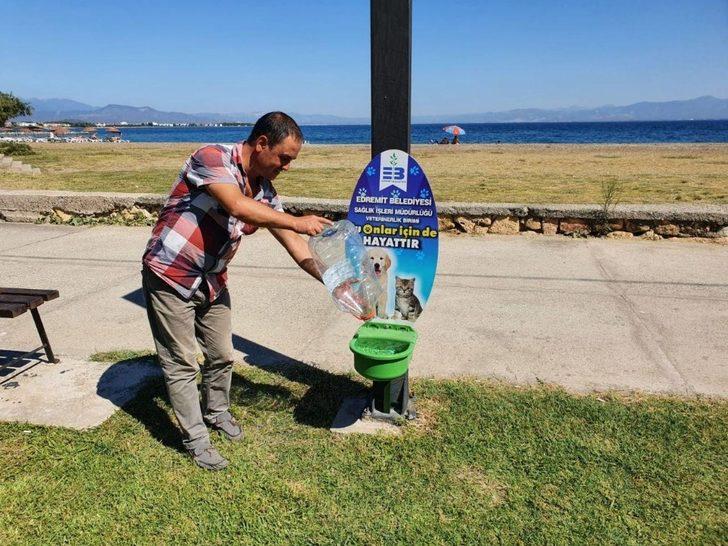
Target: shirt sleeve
[270,196]
[210,165]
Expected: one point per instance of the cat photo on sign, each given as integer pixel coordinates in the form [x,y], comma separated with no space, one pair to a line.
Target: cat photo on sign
[406,305]
[382,261]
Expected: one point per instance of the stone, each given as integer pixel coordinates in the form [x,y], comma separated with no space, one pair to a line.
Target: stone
[636,227]
[63,217]
[484,221]
[505,225]
[616,225]
[723,232]
[465,224]
[619,235]
[445,224]
[574,226]
[650,236]
[550,226]
[667,230]
[533,224]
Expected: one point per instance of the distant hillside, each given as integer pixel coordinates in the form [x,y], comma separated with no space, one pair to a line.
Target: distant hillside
[700,108]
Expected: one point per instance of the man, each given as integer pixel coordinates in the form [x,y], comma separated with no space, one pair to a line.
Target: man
[222,194]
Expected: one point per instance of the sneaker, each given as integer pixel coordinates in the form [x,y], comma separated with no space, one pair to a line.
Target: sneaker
[227,425]
[208,458]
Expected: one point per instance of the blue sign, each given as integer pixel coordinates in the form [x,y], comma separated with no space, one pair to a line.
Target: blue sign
[394,210]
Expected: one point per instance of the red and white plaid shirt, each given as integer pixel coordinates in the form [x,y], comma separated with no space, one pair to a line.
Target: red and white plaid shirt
[195,238]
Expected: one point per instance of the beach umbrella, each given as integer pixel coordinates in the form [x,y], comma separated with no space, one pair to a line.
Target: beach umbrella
[454,130]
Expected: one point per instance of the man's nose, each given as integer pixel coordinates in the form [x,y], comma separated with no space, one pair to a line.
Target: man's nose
[286,166]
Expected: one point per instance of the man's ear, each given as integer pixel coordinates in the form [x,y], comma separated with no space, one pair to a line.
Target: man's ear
[260,143]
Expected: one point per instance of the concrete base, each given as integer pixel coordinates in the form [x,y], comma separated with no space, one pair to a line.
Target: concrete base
[349,420]
[73,393]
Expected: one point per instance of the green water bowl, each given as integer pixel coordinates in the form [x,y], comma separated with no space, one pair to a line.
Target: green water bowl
[383,349]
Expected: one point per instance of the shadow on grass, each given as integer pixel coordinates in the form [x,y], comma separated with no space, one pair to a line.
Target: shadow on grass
[321,401]
[146,399]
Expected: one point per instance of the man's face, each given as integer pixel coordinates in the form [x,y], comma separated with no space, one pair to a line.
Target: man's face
[270,161]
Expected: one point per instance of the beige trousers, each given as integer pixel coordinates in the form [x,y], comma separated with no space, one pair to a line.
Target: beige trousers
[178,326]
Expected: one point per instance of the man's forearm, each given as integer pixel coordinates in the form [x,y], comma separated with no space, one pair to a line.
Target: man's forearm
[309,266]
[255,213]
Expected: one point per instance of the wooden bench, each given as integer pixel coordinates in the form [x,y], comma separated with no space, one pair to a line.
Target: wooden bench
[16,301]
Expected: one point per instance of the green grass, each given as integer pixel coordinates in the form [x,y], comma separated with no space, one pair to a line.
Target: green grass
[485,463]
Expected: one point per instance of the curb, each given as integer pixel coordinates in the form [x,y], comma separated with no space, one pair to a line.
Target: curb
[653,221]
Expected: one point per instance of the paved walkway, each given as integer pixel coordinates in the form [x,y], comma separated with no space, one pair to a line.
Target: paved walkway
[586,314]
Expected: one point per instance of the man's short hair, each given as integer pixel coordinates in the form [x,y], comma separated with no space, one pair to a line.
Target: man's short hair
[276,126]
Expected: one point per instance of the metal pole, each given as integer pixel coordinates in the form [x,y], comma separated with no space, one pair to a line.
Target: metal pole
[391,72]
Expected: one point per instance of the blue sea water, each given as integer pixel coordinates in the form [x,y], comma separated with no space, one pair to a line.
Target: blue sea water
[639,132]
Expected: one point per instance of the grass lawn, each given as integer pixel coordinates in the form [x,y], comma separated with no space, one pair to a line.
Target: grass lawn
[486,463]
[534,173]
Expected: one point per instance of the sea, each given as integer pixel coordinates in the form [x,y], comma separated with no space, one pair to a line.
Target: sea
[629,132]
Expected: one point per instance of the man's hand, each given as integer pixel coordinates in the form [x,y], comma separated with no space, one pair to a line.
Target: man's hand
[311,224]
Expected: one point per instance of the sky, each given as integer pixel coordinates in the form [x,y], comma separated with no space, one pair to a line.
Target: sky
[312,56]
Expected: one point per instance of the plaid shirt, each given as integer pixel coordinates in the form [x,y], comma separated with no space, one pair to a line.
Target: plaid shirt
[195,238]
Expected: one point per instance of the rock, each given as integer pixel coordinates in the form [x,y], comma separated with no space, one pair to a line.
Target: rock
[465,224]
[550,226]
[138,211]
[533,224]
[62,217]
[616,225]
[636,227]
[445,224]
[529,234]
[574,226]
[667,230]
[620,235]
[650,236]
[505,225]
[484,221]
[723,232]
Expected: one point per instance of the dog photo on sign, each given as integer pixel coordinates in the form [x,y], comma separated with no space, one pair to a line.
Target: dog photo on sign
[382,264]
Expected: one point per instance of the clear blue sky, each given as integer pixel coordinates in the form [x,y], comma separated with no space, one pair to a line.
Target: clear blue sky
[312,56]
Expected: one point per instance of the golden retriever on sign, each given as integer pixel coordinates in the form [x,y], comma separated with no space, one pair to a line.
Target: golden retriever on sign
[382,262]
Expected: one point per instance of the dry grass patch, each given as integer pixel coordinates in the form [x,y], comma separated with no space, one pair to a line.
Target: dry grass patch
[522,173]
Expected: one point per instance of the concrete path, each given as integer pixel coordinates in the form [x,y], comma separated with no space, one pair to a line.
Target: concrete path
[585,314]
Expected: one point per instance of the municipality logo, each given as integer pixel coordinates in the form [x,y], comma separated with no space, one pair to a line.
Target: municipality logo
[393,170]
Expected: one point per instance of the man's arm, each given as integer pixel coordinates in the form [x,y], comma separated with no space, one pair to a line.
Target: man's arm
[298,249]
[258,214]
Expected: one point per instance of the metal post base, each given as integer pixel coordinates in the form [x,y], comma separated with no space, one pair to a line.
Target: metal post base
[390,400]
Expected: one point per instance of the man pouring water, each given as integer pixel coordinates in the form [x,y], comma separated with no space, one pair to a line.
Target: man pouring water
[222,194]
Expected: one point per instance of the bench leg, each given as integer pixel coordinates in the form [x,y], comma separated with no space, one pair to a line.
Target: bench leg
[43,336]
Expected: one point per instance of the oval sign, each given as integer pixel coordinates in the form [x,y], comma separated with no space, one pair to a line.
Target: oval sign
[394,210]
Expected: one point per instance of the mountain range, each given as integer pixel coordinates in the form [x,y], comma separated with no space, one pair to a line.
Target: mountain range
[700,108]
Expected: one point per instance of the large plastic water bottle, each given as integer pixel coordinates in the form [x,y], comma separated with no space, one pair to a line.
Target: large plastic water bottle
[346,269]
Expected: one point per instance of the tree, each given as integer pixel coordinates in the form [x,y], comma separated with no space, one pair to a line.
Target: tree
[11,106]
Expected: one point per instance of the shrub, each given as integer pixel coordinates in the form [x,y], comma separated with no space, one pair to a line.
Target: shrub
[15,148]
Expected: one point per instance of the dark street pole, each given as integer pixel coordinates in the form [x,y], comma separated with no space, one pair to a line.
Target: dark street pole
[391,37]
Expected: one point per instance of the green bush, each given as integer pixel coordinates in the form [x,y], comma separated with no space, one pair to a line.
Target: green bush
[15,148]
